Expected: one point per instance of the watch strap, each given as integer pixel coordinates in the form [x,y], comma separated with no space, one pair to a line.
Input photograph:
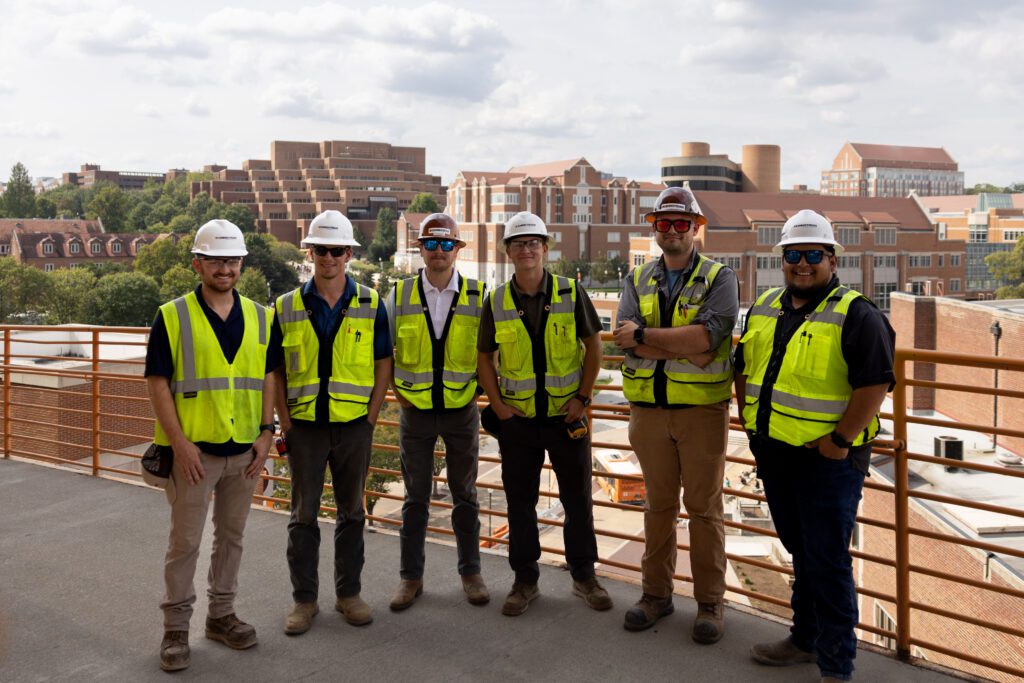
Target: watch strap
[270,427]
[839,441]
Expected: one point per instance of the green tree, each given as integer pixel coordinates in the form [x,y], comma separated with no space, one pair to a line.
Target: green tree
[239,214]
[67,295]
[281,276]
[110,204]
[424,202]
[287,252]
[23,289]
[1008,267]
[182,224]
[138,215]
[385,239]
[607,270]
[123,299]
[163,210]
[985,187]
[45,207]
[1015,188]
[19,199]
[252,284]
[157,258]
[178,280]
[101,270]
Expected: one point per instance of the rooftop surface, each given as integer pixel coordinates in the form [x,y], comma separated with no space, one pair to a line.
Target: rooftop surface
[81,564]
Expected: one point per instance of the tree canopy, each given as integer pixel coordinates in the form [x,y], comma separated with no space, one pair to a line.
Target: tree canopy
[385,239]
[1008,266]
[19,199]
[123,299]
[424,202]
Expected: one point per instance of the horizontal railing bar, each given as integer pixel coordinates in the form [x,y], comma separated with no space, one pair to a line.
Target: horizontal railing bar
[966,618]
[968,388]
[974,583]
[957,540]
[965,465]
[973,659]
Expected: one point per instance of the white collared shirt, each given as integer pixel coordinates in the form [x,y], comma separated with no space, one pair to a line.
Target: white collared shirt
[439,301]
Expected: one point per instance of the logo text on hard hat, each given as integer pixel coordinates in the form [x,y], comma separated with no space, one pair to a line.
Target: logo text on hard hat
[328,227]
[224,237]
[439,231]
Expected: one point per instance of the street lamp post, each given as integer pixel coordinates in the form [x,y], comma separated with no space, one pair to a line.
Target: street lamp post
[997,331]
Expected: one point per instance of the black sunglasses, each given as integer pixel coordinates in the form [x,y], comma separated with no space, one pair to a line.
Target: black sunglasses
[336,252]
[433,244]
[812,256]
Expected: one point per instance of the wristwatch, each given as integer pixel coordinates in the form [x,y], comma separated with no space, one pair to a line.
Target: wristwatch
[638,334]
[268,428]
[585,400]
[839,441]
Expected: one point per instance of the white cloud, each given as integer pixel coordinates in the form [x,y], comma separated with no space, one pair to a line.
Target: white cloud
[304,100]
[6,88]
[22,129]
[196,105]
[148,110]
[835,117]
[129,30]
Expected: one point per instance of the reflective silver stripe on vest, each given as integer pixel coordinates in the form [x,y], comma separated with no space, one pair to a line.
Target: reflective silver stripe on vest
[290,314]
[192,385]
[566,304]
[406,306]
[188,349]
[347,388]
[413,377]
[261,320]
[556,382]
[647,284]
[502,314]
[640,363]
[716,367]
[452,376]
[249,383]
[303,391]
[517,385]
[753,391]
[809,405]
[828,317]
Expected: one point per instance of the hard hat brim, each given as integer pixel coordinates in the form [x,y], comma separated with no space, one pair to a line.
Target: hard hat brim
[221,253]
[777,249]
[695,217]
[323,241]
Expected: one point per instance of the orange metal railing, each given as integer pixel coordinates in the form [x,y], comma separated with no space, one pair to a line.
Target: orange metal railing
[77,398]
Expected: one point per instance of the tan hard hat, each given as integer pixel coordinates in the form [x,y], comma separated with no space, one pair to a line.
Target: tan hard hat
[440,226]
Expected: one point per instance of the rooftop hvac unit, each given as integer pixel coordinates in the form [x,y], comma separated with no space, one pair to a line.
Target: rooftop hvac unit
[951,448]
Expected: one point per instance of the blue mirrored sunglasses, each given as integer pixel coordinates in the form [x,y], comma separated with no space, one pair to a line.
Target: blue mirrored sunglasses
[812,256]
[432,245]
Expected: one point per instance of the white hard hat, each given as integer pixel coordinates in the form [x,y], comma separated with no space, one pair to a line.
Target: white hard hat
[219,238]
[330,228]
[524,223]
[807,227]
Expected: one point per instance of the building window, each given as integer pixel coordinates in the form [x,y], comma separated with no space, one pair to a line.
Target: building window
[95,247]
[5,249]
[48,248]
[614,237]
[885,236]
[555,237]
[954,260]
[769,235]
[849,261]
[647,202]
[76,248]
[505,198]
[613,254]
[886,261]
[115,247]
[978,234]
[848,236]
[638,259]
[919,261]
[501,216]
[769,263]
[582,200]
[48,267]
[954,284]
[882,292]
[885,622]
[554,254]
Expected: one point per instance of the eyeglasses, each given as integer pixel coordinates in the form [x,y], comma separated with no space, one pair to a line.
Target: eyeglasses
[432,244]
[680,225]
[812,256]
[336,252]
[230,262]
[519,245]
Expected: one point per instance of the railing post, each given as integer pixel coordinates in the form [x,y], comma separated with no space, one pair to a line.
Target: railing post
[902,508]
[7,393]
[95,402]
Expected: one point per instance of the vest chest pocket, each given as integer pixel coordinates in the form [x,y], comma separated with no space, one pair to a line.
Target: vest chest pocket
[814,355]
[407,347]
[512,353]
[357,345]
[462,337]
[294,353]
[565,344]
[749,340]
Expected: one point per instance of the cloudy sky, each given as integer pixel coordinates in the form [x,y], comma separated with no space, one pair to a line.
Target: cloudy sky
[147,86]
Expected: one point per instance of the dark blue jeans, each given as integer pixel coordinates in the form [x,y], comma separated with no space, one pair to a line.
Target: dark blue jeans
[813,501]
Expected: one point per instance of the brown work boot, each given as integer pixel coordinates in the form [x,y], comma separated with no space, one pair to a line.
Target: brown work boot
[300,619]
[646,612]
[231,631]
[406,593]
[476,589]
[781,653]
[592,593]
[709,626]
[519,598]
[174,652]
[355,610]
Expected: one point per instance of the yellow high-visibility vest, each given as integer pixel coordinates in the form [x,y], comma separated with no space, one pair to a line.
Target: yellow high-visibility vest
[216,401]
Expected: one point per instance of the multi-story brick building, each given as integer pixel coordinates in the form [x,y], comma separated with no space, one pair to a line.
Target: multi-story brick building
[988,223]
[302,179]
[90,174]
[29,226]
[862,170]
[589,215]
[890,243]
[697,167]
[72,244]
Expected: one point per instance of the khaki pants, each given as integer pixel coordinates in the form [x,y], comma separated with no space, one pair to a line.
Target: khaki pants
[232,497]
[682,447]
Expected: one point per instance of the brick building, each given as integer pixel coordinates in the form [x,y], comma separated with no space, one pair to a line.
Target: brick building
[890,243]
[302,179]
[48,251]
[90,174]
[988,223]
[30,226]
[863,170]
[698,168]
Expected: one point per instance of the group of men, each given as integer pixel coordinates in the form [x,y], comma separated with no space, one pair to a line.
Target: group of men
[219,365]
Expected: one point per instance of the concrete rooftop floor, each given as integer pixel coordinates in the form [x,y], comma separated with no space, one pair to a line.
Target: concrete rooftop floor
[81,577]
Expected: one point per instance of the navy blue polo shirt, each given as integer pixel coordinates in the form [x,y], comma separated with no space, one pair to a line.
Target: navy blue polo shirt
[229,332]
[326,322]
